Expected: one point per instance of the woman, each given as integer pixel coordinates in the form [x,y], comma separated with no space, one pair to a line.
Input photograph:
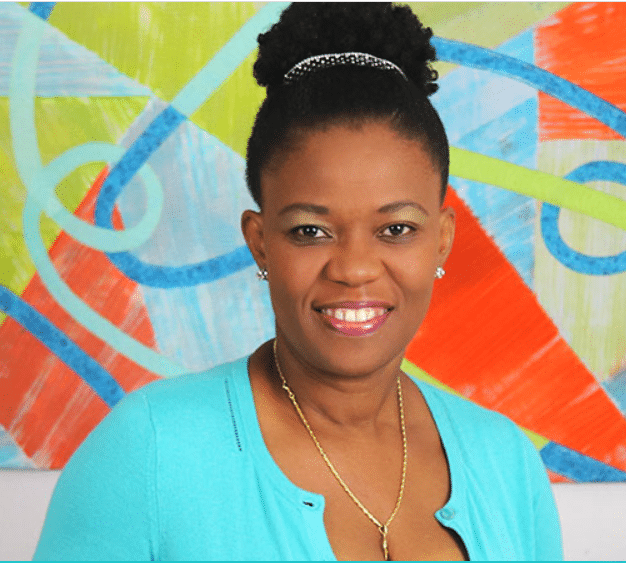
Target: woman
[317,446]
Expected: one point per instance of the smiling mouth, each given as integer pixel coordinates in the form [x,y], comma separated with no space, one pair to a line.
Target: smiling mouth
[360,321]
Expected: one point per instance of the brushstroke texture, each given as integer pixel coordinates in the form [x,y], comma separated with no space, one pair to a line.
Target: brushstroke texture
[584,44]
[65,67]
[497,346]
[63,347]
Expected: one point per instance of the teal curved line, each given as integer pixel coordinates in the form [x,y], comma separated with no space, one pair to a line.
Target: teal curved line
[79,310]
[226,60]
[22,99]
[43,180]
[99,238]
[25,147]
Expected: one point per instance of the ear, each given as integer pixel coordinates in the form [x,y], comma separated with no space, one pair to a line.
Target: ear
[252,229]
[447,222]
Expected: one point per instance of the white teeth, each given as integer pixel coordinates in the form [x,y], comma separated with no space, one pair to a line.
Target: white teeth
[355,315]
[363,315]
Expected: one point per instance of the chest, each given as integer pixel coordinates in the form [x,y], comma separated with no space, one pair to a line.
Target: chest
[413,534]
[249,509]
[364,491]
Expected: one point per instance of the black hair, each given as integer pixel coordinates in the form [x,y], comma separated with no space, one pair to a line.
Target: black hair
[345,94]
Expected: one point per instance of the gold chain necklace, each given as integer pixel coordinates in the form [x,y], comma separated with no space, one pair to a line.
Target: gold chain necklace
[382,528]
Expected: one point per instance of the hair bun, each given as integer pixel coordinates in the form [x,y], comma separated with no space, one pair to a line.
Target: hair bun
[384,30]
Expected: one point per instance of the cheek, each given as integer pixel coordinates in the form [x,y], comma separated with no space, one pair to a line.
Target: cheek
[413,268]
[292,275]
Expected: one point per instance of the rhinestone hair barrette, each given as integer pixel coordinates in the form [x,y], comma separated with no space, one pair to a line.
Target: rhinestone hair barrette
[317,62]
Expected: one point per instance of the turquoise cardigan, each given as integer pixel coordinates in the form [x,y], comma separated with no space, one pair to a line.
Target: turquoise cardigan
[179,471]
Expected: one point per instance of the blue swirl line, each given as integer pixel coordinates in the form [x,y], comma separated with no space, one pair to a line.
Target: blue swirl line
[574,260]
[474,56]
[216,268]
[100,380]
[578,467]
[136,156]
[196,91]
[149,274]
[189,275]
[605,112]
[42,9]
[39,180]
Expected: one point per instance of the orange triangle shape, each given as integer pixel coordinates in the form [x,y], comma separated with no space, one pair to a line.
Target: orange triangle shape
[487,337]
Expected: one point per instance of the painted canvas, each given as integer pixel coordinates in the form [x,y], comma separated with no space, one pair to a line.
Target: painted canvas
[122,133]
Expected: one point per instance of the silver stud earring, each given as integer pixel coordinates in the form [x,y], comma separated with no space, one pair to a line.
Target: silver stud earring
[262,274]
[439,272]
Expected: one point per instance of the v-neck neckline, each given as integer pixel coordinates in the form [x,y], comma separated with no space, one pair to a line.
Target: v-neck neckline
[308,500]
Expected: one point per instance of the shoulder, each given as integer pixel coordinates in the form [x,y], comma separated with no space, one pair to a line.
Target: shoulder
[472,423]
[178,410]
[498,477]
[485,440]
[208,389]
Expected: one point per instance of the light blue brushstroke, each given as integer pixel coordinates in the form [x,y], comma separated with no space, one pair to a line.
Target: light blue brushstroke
[65,68]
[227,59]
[43,186]
[22,100]
[79,310]
[496,116]
[28,160]
[507,217]
[205,193]
[11,455]
[206,81]
[469,98]
[615,387]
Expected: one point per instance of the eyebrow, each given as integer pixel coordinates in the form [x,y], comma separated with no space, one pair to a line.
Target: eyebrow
[311,208]
[321,210]
[396,206]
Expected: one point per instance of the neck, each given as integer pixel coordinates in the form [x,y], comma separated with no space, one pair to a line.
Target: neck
[356,401]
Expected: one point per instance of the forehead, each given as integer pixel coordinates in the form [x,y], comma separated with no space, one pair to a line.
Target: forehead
[366,166]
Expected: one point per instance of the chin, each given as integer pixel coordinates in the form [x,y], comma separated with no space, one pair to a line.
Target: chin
[358,356]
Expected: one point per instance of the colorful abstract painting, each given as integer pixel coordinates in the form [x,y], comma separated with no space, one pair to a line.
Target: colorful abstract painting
[122,133]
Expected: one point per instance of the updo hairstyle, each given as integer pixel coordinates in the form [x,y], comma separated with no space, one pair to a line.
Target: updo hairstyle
[346,94]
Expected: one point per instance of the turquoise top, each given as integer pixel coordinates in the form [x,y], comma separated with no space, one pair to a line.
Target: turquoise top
[179,470]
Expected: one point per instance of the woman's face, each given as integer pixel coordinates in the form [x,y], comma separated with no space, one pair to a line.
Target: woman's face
[351,233]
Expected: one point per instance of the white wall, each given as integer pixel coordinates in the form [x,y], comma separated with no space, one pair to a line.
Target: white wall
[24,497]
[593,516]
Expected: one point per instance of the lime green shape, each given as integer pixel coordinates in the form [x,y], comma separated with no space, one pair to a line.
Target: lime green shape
[537,439]
[229,114]
[410,368]
[590,314]
[487,24]
[61,123]
[540,185]
[161,45]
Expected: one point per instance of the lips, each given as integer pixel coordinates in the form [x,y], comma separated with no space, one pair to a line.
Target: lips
[356,319]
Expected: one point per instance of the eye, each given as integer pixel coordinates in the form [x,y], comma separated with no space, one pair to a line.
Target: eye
[397,230]
[308,232]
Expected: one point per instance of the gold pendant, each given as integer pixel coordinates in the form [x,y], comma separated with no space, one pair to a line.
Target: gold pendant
[384,530]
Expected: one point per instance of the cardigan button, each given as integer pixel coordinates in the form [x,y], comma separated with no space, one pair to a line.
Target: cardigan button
[446,513]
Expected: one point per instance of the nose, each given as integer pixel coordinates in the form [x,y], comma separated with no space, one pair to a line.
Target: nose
[354,262]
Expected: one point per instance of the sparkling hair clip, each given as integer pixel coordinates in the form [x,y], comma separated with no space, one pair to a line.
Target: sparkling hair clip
[311,64]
